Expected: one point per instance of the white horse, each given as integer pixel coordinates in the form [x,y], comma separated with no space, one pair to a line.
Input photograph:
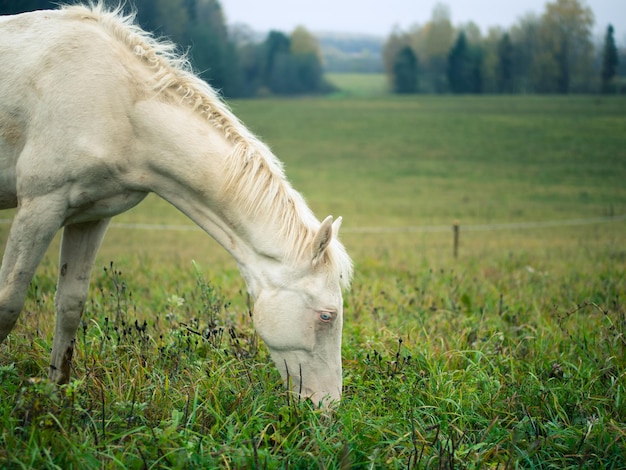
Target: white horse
[95,114]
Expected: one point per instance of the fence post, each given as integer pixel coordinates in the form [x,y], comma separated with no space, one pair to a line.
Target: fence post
[456,228]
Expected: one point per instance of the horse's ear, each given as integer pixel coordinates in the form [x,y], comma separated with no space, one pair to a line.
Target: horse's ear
[337,226]
[323,238]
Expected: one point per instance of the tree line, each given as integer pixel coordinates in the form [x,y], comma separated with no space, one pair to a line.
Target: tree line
[232,60]
[550,53]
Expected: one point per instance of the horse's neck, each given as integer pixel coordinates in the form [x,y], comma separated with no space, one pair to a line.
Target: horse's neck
[183,158]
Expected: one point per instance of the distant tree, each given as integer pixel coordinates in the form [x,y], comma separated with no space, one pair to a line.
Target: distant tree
[565,62]
[283,78]
[212,52]
[286,72]
[147,15]
[12,7]
[251,68]
[504,73]
[191,6]
[276,45]
[303,42]
[292,65]
[405,71]
[458,65]
[396,41]
[526,50]
[165,17]
[305,48]
[621,62]
[432,44]
[472,32]
[476,69]
[610,61]
[464,67]
[490,63]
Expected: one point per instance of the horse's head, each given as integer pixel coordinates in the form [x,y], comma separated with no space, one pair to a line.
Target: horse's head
[300,319]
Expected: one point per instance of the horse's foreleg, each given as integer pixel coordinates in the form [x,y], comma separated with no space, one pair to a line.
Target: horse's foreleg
[79,247]
[34,226]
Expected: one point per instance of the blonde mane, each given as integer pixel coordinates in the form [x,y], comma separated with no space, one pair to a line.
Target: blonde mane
[254,177]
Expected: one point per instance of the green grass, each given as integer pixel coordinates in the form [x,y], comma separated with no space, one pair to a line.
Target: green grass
[359,84]
[512,355]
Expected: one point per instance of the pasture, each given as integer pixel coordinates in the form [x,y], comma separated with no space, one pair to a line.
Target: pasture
[359,84]
[510,355]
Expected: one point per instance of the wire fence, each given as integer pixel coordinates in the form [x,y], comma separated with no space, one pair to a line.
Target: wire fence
[405,229]
[488,227]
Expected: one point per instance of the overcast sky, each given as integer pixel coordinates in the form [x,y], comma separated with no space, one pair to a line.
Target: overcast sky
[379,16]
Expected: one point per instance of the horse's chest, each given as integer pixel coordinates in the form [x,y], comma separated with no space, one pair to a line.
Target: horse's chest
[86,205]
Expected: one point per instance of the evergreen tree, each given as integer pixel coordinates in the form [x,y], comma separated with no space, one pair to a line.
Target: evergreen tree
[457,65]
[476,69]
[609,61]
[504,73]
[405,71]
[464,67]
[212,52]
[276,47]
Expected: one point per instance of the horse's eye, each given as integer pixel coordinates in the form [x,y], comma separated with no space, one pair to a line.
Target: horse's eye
[325,316]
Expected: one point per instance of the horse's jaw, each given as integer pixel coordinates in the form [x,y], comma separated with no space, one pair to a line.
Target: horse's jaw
[310,378]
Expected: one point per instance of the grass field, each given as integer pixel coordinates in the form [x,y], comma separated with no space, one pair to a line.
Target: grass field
[510,355]
[359,84]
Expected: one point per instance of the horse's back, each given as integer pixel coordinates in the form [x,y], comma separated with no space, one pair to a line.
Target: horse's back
[57,57]
[66,90]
